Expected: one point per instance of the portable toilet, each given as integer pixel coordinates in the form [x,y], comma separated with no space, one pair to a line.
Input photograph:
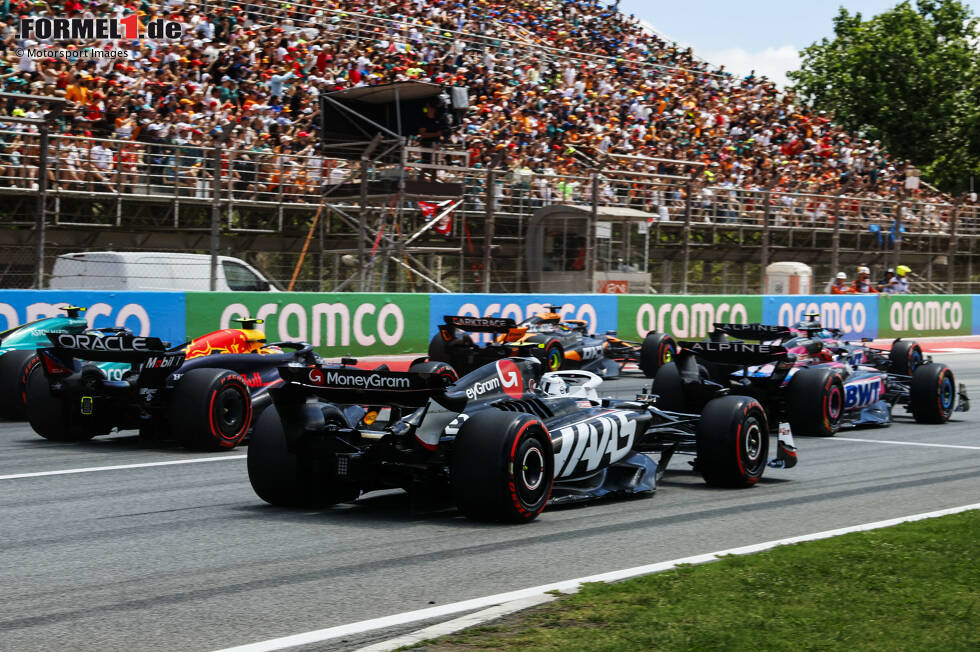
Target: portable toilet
[789,278]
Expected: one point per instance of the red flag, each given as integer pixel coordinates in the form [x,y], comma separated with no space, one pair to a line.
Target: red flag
[429,210]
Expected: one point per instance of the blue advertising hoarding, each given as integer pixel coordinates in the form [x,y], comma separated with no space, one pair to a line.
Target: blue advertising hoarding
[598,310]
[160,314]
[855,314]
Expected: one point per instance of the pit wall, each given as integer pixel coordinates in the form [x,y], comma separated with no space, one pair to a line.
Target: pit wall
[356,324]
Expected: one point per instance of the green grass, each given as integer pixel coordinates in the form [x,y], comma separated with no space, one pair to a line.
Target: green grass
[914,586]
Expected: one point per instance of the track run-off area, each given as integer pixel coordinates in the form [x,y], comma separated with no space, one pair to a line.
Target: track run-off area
[116,544]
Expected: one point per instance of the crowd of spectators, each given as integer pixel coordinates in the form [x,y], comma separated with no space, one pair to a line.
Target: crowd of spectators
[549,81]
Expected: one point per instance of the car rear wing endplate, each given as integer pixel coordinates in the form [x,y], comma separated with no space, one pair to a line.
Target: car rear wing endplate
[739,353]
[371,387]
[754,331]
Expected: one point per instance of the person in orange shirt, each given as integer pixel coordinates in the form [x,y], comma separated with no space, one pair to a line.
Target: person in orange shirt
[863,284]
[78,91]
[840,286]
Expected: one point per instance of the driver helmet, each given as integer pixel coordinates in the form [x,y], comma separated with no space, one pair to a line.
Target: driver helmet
[554,385]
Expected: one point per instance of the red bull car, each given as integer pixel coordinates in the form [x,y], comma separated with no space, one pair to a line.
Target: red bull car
[816,385]
[513,442]
[557,342]
[204,393]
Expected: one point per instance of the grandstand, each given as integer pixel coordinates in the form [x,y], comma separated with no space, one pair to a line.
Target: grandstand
[733,172]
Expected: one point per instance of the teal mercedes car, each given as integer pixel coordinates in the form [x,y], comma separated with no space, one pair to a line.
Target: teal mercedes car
[18,357]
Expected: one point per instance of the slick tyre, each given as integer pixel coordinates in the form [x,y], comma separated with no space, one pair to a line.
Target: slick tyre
[502,467]
[210,409]
[657,350]
[554,356]
[15,367]
[732,442]
[438,368]
[48,414]
[286,478]
[932,393]
[438,350]
[905,357]
[669,387]
[815,402]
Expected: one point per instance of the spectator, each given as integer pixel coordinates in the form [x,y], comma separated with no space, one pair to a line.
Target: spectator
[839,284]
[863,284]
[885,284]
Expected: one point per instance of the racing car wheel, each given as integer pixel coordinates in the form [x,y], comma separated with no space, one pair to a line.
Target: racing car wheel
[15,367]
[210,409]
[732,442]
[48,414]
[657,350]
[554,356]
[815,402]
[932,393]
[502,467]
[905,357]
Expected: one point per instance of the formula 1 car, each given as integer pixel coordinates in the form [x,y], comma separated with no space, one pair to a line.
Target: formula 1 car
[517,440]
[204,393]
[558,343]
[18,355]
[801,382]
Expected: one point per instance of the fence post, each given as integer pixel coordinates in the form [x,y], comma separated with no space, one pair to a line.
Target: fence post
[764,254]
[489,225]
[835,243]
[41,219]
[686,254]
[591,254]
[897,249]
[216,213]
[954,218]
[362,227]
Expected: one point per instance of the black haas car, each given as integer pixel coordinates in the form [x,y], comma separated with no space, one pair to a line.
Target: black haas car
[515,440]
[204,394]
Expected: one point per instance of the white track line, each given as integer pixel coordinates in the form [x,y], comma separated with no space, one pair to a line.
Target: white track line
[93,469]
[463,622]
[906,443]
[373,624]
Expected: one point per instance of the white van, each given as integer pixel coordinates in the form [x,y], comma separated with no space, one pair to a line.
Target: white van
[153,270]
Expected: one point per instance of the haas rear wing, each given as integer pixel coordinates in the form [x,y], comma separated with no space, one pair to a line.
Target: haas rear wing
[373,387]
[738,353]
[754,331]
[476,324]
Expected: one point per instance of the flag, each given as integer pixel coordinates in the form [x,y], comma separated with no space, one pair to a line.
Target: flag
[430,209]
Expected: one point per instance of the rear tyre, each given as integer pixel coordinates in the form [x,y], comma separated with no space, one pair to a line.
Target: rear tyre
[815,402]
[285,478]
[15,367]
[502,467]
[49,414]
[438,368]
[932,393]
[732,442]
[669,387]
[210,409]
[906,356]
[657,350]
[438,350]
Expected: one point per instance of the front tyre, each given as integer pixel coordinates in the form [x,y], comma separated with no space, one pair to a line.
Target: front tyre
[657,350]
[932,393]
[554,356]
[210,409]
[906,356]
[15,367]
[815,402]
[502,467]
[732,442]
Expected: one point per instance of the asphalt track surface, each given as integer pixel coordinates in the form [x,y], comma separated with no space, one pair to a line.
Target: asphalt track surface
[185,557]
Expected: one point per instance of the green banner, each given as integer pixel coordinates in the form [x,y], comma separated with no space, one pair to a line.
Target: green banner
[348,324]
[686,317]
[921,315]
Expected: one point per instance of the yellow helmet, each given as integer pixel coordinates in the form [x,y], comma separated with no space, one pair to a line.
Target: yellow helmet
[902,270]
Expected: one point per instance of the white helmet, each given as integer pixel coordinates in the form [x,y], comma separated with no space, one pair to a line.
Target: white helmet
[841,275]
[553,385]
[863,270]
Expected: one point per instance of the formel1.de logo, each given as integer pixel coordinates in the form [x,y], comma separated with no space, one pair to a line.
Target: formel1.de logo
[87,29]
